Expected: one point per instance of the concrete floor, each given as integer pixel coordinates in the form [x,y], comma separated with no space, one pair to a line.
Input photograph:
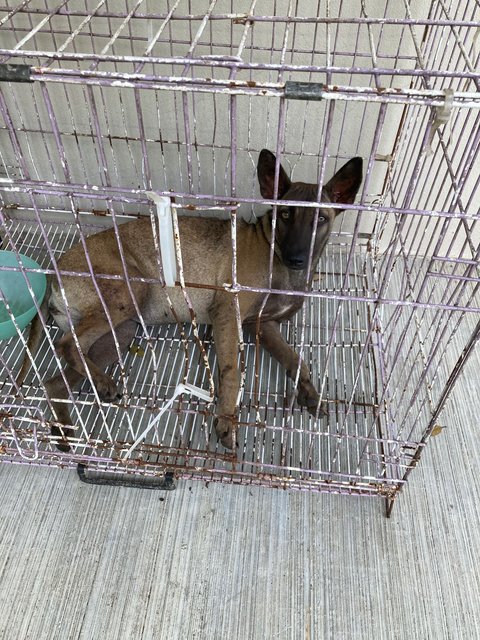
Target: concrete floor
[80,561]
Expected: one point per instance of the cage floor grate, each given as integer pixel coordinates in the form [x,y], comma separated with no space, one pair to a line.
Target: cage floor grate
[278,444]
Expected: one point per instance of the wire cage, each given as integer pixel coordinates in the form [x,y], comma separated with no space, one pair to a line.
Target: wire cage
[103,102]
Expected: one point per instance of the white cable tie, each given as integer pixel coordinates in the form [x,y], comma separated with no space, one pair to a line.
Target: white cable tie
[442,116]
[474,46]
[167,239]
[179,389]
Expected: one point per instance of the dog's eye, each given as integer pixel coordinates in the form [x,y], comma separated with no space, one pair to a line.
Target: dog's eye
[285,213]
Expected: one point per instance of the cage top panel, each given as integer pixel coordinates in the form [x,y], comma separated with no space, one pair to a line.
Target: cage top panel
[382,43]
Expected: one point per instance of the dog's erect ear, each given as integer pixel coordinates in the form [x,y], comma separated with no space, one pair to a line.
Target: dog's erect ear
[266,176]
[345,183]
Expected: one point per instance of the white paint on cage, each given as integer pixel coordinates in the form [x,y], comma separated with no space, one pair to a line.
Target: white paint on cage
[180,388]
[167,240]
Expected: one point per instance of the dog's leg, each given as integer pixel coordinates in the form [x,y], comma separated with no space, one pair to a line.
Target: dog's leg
[94,324]
[104,353]
[89,330]
[56,390]
[225,335]
[271,339]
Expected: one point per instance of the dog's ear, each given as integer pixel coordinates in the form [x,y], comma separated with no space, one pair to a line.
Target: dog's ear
[266,176]
[345,183]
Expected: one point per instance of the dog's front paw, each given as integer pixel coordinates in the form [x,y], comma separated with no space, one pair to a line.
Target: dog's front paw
[106,388]
[308,397]
[62,434]
[224,428]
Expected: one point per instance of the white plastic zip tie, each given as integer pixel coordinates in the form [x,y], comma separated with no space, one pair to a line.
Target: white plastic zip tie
[442,116]
[167,241]
[475,43]
[471,67]
[180,388]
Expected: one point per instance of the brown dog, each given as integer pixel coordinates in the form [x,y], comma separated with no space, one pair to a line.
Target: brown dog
[207,259]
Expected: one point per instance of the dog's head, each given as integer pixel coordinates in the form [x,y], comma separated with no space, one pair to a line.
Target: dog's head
[294,227]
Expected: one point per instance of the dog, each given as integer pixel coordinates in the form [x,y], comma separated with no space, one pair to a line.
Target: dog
[207,259]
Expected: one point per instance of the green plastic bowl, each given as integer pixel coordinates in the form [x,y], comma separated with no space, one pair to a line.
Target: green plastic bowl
[15,290]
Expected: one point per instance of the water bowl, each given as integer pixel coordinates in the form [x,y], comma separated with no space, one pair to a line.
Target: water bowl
[15,291]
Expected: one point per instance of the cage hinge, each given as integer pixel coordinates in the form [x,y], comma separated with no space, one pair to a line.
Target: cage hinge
[91,476]
[303,90]
[15,73]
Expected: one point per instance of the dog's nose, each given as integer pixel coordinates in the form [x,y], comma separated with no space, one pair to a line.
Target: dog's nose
[296,263]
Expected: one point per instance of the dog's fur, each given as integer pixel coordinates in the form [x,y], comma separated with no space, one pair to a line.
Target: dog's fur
[207,259]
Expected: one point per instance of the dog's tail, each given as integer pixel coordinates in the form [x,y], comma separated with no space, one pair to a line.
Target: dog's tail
[34,338]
